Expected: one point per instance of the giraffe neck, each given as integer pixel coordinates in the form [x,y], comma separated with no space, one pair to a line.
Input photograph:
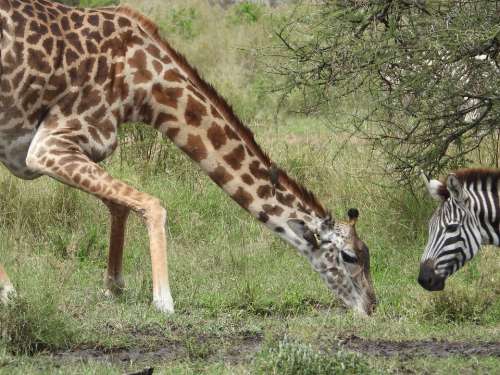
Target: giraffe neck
[186,109]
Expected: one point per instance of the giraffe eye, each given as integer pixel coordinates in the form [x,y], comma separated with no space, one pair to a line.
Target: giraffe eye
[348,257]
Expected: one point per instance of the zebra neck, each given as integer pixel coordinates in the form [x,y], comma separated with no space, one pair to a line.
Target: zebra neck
[485,204]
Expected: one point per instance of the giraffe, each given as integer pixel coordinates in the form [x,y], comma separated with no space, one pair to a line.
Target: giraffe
[71,76]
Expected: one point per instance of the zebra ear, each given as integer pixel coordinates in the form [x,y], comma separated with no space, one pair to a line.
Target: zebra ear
[435,189]
[455,188]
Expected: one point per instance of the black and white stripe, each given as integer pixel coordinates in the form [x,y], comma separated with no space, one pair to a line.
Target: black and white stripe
[459,227]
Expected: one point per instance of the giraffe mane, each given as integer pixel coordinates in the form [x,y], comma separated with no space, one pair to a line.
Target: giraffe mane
[305,195]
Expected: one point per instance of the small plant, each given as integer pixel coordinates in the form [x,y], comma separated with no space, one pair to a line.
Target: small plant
[181,22]
[246,12]
[98,3]
[459,305]
[27,327]
[198,349]
[293,358]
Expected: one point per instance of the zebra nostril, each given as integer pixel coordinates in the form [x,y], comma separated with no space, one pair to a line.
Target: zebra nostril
[426,275]
[424,281]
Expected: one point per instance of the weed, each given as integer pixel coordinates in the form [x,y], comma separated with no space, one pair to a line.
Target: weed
[289,357]
[458,305]
[30,326]
[98,3]
[198,349]
[246,12]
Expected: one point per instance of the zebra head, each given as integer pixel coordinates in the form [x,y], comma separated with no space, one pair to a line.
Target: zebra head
[454,233]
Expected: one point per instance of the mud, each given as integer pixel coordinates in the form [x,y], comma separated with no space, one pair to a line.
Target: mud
[228,349]
[434,348]
[240,349]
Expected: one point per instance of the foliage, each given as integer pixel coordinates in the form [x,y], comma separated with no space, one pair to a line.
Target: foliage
[182,21]
[235,285]
[29,326]
[422,77]
[90,3]
[98,3]
[289,357]
[246,12]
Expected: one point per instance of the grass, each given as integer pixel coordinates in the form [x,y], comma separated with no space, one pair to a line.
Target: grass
[245,301]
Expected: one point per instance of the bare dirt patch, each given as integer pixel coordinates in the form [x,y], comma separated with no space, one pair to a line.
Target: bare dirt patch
[234,349]
[242,348]
[411,348]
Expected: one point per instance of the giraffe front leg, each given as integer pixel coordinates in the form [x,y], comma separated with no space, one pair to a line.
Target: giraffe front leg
[51,154]
[113,279]
[6,288]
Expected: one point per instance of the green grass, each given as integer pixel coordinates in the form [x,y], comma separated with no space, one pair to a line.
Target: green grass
[245,301]
[232,280]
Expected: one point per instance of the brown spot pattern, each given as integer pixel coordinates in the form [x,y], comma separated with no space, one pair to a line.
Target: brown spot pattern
[194,111]
[216,135]
[272,210]
[167,96]
[257,171]
[243,198]
[195,148]
[235,157]
[220,175]
[264,191]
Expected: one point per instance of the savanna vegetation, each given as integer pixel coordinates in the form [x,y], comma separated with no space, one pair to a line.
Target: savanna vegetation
[245,301]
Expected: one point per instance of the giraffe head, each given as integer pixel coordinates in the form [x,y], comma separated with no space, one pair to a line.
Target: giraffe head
[341,258]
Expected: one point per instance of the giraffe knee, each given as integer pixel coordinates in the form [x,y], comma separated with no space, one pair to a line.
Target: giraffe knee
[155,212]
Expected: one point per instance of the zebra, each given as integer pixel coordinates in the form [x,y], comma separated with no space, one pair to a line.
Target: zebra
[468,217]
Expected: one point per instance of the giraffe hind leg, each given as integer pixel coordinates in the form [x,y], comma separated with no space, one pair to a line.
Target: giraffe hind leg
[51,155]
[113,280]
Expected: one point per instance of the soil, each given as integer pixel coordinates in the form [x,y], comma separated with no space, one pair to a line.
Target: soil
[238,349]
[233,349]
[411,348]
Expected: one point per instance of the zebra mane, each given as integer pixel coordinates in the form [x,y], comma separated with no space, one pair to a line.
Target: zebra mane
[472,176]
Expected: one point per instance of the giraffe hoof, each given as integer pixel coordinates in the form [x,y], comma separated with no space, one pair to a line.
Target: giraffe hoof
[113,287]
[7,293]
[166,307]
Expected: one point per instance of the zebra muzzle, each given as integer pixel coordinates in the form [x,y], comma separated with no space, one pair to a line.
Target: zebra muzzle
[428,278]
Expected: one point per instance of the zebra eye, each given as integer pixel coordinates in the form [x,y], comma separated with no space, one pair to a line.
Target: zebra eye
[452,227]
[348,257]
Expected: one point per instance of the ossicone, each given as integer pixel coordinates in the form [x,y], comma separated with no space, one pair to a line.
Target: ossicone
[353,215]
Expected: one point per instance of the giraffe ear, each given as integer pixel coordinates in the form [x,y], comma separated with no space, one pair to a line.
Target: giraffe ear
[353,215]
[300,228]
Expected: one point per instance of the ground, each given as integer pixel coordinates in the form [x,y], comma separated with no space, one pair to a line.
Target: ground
[245,301]
[244,298]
